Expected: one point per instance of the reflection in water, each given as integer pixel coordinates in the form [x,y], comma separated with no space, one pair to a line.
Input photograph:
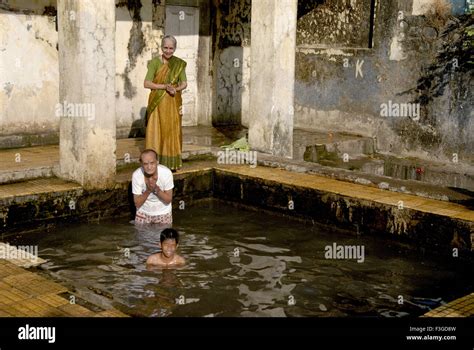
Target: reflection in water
[167,276]
[266,270]
[271,271]
[239,265]
[148,235]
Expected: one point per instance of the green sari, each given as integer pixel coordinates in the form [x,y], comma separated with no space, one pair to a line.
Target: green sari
[163,132]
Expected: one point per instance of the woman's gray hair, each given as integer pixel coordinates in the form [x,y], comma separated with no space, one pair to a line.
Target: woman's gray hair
[169,37]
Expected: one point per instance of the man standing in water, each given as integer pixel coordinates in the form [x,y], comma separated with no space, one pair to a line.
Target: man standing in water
[152,187]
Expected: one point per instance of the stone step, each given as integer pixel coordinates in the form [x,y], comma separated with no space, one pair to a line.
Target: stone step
[314,146]
[439,174]
[43,161]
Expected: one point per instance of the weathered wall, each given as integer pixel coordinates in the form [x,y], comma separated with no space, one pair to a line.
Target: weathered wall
[29,73]
[414,55]
[135,41]
[202,69]
[38,212]
[342,23]
[29,92]
[231,61]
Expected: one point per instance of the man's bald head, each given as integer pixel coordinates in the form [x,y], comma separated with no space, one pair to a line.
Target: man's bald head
[148,151]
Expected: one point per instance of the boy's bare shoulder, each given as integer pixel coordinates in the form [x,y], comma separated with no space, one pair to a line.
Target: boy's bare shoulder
[154,259]
[180,260]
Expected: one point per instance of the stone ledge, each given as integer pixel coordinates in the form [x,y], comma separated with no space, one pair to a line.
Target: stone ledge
[364,209]
[345,205]
[411,187]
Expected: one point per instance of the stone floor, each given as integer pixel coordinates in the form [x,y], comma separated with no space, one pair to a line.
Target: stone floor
[43,161]
[462,307]
[27,294]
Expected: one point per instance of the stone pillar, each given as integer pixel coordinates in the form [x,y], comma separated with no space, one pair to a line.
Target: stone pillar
[272,77]
[87,92]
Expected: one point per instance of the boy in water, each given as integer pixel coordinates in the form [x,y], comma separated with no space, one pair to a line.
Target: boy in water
[169,239]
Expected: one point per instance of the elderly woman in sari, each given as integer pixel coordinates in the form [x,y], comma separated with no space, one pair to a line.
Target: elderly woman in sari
[166,78]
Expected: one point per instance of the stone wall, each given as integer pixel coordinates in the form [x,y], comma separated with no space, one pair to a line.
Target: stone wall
[353,57]
[356,56]
[416,54]
[38,212]
[29,73]
[29,68]
[139,27]
[231,61]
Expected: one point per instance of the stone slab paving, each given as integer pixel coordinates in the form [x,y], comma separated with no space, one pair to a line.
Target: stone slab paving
[462,307]
[27,294]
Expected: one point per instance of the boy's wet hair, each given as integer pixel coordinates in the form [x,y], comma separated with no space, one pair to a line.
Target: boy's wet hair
[169,233]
